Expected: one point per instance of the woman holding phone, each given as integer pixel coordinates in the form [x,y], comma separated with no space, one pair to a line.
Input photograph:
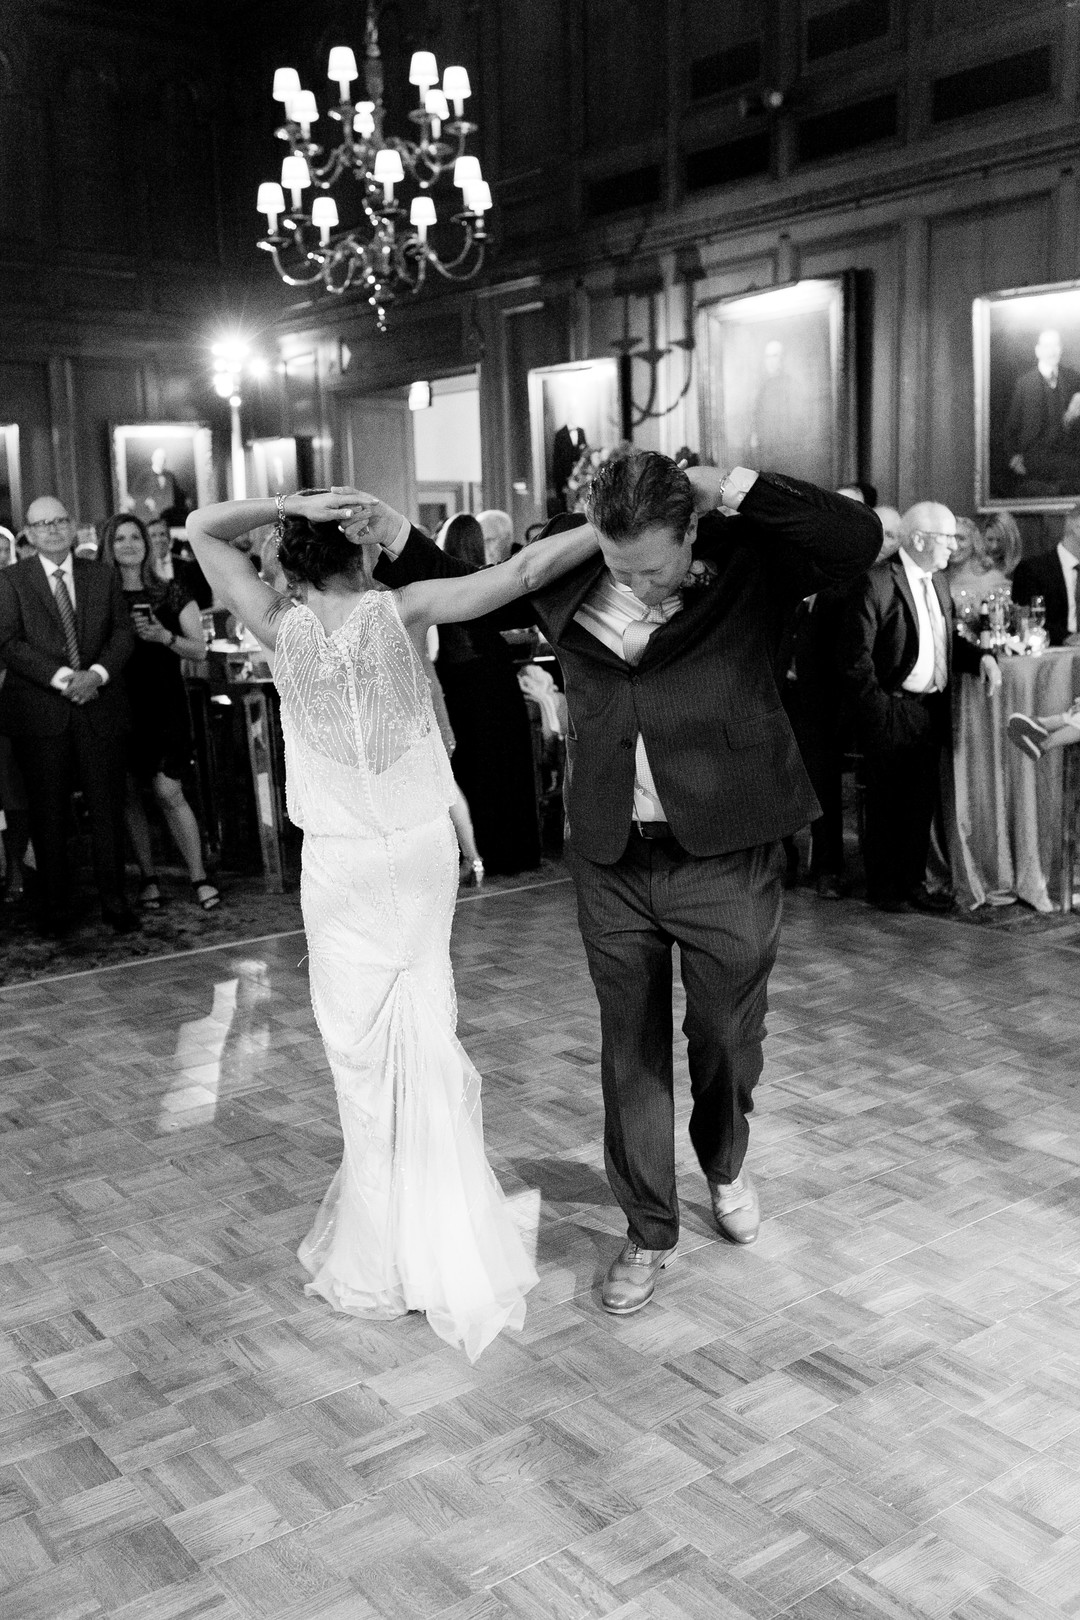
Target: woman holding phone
[169,628]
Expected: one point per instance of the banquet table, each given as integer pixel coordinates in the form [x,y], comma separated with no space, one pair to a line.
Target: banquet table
[1004,821]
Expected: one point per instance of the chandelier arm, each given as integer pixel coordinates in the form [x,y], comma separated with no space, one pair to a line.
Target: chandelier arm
[294,280]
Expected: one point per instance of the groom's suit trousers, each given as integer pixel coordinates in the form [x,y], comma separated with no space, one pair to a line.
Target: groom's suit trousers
[723,911]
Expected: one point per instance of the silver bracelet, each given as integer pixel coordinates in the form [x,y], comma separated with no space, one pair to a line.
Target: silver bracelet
[279,502]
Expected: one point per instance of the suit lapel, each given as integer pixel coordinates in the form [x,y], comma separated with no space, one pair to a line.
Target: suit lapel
[85,578]
[906,594]
[39,584]
[560,604]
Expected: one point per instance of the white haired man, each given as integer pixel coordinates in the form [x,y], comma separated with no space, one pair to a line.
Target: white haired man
[898,651]
[498,531]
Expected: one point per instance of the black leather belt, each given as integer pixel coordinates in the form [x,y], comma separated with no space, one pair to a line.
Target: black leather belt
[652,829]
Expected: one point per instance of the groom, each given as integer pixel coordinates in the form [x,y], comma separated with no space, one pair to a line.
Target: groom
[683,777]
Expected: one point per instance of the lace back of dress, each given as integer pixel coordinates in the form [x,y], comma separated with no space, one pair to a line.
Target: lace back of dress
[358,719]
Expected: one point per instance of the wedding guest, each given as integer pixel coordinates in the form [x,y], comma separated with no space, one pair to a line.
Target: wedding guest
[12,787]
[65,638]
[168,628]
[493,760]
[898,650]
[498,531]
[1053,576]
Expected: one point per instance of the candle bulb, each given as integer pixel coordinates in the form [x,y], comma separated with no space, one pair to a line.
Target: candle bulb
[467,173]
[456,88]
[342,67]
[388,171]
[294,177]
[364,120]
[422,215]
[423,72]
[286,85]
[324,214]
[304,111]
[437,110]
[271,203]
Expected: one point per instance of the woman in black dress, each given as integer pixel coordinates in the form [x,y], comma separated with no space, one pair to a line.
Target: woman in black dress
[168,627]
[493,761]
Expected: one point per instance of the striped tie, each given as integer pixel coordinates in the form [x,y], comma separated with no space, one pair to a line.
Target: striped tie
[937,632]
[636,635]
[67,619]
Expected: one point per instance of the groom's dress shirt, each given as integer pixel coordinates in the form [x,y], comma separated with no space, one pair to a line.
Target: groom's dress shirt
[606,613]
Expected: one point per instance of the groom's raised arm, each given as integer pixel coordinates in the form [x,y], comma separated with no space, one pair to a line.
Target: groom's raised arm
[808,538]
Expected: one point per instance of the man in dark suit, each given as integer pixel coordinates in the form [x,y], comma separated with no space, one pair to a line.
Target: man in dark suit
[682,778]
[1042,429]
[898,648]
[65,636]
[1053,576]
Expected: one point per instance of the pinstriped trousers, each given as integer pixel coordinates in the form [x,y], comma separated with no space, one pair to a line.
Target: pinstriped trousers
[723,911]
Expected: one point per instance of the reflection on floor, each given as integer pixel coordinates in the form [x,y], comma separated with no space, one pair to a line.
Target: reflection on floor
[875,1412]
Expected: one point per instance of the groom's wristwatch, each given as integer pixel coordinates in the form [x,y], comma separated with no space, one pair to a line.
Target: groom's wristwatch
[734,486]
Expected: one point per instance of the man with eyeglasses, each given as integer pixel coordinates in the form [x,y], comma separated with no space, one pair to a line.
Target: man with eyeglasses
[65,636]
[898,650]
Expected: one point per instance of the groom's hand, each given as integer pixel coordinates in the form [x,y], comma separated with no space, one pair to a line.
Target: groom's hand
[372,522]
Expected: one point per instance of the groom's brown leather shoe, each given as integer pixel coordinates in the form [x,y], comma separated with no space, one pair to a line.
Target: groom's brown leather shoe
[736,1209]
[631,1278]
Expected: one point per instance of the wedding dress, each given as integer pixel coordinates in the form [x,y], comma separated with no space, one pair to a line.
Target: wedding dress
[414,1219]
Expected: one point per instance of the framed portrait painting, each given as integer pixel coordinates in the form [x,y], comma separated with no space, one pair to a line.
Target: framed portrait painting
[777,381]
[162,469]
[1027,398]
[573,413]
[11,502]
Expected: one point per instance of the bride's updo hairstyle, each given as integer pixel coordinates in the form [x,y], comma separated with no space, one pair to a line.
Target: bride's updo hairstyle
[315,553]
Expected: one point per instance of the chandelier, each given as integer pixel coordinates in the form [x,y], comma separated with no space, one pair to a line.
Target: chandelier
[390,249]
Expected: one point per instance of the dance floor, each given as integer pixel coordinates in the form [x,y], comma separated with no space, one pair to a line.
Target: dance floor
[874,1412]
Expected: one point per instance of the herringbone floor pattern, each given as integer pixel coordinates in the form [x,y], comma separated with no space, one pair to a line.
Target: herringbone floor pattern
[875,1412]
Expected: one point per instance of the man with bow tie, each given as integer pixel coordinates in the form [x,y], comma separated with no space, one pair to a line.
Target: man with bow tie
[898,649]
[683,777]
[1042,430]
[65,636]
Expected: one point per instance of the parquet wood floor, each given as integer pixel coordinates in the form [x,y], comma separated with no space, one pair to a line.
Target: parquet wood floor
[874,1412]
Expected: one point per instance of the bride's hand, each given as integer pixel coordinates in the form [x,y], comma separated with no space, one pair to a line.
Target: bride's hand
[326,505]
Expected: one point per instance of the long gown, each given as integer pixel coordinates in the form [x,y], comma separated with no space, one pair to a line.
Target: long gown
[414,1218]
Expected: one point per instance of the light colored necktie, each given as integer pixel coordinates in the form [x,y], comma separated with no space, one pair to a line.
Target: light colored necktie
[941,667]
[67,619]
[636,635]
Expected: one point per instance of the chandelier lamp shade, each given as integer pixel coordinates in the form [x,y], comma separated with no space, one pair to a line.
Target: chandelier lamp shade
[385,248]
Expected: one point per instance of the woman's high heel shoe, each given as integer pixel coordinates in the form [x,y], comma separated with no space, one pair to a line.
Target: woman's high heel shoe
[472,875]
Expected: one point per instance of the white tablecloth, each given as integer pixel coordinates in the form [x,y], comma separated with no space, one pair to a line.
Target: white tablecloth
[1004,822]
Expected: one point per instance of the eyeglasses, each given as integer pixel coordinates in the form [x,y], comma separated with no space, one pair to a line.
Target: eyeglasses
[934,534]
[49,523]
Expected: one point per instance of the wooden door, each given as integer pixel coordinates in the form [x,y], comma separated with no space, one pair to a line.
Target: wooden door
[377,450]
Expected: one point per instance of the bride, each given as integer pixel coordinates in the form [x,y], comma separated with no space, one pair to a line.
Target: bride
[414,1219]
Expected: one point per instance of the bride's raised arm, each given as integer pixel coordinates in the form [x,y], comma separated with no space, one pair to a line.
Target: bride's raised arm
[212,529]
[445,601]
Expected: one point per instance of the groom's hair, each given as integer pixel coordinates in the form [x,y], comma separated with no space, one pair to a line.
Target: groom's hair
[635,490]
[315,553]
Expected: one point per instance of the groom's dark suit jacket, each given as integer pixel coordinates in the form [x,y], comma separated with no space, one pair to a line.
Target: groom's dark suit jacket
[704,696]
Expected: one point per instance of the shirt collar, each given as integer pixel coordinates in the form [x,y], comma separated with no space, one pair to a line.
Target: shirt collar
[52,568]
[1068,561]
[912,568]
[667,607]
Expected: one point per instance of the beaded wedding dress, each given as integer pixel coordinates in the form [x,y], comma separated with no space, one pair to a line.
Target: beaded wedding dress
[414,1218]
